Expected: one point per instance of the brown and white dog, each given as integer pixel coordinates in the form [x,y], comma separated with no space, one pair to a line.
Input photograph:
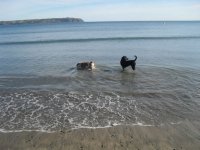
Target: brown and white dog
[85,65]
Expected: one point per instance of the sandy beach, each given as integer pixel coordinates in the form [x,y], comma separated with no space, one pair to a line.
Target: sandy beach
[183,136]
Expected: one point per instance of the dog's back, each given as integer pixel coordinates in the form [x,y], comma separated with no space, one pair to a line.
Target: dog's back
[85,65]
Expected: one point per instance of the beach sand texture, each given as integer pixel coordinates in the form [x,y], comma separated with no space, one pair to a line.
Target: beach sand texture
[183,136]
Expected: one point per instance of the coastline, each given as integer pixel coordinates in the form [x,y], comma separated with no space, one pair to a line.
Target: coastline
[42,21]
[183,136]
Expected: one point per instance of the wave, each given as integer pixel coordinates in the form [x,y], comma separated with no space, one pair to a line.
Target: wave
[98,39]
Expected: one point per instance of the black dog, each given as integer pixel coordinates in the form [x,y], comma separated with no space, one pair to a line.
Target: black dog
[125,62]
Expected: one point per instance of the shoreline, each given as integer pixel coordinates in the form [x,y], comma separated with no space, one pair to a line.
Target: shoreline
[185,135]
[81,128]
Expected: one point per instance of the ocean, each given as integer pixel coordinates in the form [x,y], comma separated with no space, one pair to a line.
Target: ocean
[41,89]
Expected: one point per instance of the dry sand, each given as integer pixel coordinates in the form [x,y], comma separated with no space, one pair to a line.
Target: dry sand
[183,136]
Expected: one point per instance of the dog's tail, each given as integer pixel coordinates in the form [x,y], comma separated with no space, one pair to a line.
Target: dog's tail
[135,58]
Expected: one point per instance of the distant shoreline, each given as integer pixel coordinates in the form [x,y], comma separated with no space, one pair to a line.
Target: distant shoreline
[41,21]
[78,20]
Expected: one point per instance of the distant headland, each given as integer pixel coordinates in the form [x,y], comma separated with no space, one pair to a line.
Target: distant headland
[41,21]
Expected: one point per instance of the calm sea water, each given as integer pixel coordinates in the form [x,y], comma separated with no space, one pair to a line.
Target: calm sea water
[40,88]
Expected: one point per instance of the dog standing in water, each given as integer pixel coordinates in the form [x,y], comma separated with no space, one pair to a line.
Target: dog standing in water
[85,65]
[125,62]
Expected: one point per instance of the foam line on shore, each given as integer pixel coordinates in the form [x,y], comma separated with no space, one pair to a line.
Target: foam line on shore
[88,127]
[76,128]
[18,131]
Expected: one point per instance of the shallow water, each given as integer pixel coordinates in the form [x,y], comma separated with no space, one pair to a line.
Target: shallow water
[40,88]
[99,98]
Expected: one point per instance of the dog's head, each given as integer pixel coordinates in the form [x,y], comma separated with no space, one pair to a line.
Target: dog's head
[124,58]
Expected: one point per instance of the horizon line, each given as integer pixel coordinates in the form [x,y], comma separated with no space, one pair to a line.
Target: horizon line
[100,20]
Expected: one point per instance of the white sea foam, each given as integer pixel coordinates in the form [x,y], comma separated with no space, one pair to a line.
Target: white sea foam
[17,131]
[175,123]
[79,126]
[49,111]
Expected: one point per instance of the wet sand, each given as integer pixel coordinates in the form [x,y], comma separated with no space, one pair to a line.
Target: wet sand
[183,136]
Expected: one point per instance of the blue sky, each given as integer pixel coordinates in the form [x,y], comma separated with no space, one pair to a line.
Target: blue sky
[101,10]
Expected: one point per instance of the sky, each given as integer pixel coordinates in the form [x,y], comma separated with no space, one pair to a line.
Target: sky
[101,10]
